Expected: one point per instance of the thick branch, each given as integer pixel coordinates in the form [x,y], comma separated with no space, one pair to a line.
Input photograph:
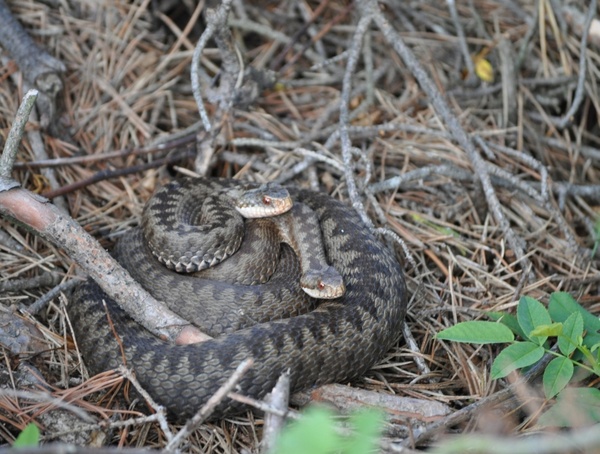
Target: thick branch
[55,226]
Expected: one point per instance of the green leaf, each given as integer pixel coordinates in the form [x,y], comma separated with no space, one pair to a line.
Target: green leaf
[591,339]
[314,433]
[368,425]
[557,375]
[561,305]
[508,320]
[531,314]
[552,330]
[477,332]
[572,331]
[515,356]
[29,436]
[574,406]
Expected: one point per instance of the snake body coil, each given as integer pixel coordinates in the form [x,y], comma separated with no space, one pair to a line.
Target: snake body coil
[337,340]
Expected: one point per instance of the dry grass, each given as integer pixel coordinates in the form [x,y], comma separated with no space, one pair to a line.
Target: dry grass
[127,84]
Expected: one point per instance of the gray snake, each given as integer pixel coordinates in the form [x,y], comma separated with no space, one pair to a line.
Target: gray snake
[318,342]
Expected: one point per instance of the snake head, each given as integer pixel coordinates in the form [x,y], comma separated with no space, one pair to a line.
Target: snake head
[264,201]
[324,284]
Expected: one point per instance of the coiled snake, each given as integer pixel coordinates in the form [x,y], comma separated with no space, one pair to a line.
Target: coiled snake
[318,341]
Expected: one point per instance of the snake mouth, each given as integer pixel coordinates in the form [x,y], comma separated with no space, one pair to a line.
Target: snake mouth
[266,208]
[325,293]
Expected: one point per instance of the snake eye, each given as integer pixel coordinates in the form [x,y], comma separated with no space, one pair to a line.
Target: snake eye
[266,200]
[321,285]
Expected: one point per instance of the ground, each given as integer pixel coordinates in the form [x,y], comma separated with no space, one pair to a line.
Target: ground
[484,168]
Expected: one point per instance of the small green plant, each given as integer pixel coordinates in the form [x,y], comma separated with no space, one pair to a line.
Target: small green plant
[29,436]
[577,333]
[316,433]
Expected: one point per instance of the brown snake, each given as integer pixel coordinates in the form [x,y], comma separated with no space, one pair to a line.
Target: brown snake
[318,341]
[188,236]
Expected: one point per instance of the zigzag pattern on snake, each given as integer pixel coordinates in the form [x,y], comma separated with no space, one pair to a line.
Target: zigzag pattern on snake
[330,341]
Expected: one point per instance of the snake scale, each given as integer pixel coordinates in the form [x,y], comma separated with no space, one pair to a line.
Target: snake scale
[319,342]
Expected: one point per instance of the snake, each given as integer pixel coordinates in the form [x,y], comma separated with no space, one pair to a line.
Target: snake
[316,342]
[188,236]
